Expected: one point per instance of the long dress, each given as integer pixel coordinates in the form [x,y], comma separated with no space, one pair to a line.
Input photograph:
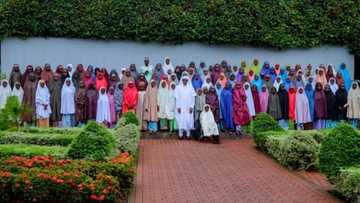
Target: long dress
[249,100]
[118,98]
[256,98]
[341,100]
[274,108]
[43,108]
[130,98]
[284,103]
[103,114]
[113,116]
[213,101]
[28,115]
[241,114]
[310,95]
[208,124]
[264,99]
[68,104]
[302,108]
[353,103]
[80,102]
[5,92]
[292,102]
[226,103]
[150,107]
[185,99]
[55,86]
[91,102]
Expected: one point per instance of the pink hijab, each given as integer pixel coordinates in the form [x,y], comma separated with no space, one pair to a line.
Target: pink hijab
[264,98]
[302,108]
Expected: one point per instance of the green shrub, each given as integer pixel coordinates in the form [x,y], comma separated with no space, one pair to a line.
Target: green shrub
[95,142]
[34,138]
[10,115]
[128,118]
[348,183]
[127,138]
[27,150]
[261,138]
[264,122]
[35,130]
[296,152]
[319,136]
[341,148]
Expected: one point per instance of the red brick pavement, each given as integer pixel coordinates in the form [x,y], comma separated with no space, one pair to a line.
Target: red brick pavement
[234,171]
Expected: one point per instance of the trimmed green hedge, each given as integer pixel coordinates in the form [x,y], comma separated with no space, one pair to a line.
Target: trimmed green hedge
[33,130]
[278,24]
[36,138]
[348,183]
[127,138]
[28,150]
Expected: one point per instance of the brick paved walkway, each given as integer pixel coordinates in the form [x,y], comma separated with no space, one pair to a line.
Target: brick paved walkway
[189,171]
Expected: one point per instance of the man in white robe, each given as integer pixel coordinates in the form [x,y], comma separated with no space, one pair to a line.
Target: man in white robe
[185,101]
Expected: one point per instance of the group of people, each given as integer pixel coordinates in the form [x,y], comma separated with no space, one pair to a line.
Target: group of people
[199,98]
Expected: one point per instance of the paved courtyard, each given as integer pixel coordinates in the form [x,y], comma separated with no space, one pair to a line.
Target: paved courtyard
[170,170]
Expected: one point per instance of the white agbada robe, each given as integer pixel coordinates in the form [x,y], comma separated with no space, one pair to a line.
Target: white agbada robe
[162,100]
[208,124]
[302,108]
[68,98]
[249,100]
[19,93]
[42,98]
[185,99]
[167,67]
[103,108]
[5,92]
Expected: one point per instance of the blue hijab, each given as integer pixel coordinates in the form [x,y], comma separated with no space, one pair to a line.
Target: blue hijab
[196,81]
[346,76]
[219,89]
[226,106]
[310,95]
[265,70]
[257,82]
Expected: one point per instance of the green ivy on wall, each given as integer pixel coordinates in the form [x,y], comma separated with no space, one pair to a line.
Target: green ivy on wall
[266,23]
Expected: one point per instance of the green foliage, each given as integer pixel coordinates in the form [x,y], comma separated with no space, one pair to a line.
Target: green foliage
[95,142]
[128,118]
[296,152]
[10,115]
[28,150]
[35,138]
[261,138]
[49,131]
[263,123]
[348,183]
[341,148]
[127,138]
[278,24]
[319,136]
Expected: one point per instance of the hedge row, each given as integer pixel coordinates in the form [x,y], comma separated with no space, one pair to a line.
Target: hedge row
[7,137]
[26,150]
[279,24]
[348,183]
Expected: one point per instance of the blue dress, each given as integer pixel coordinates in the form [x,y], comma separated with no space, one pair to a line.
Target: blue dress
[310,95]
[226,106]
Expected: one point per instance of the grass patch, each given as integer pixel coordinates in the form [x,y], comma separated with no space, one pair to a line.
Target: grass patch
[28,150]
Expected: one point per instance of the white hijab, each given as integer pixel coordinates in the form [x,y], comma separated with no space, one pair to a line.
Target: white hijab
[19,93]
[67,98]
[72,69]
[103,108]
[249,99]
[163,99]
[206,84]
[277,84]
[167,67]
[5,92]
[334,87]
[208,123]
[42,97]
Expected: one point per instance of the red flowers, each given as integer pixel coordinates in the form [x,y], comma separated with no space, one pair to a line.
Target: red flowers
[122,158]
[97,197]
[42,161]
[5,174]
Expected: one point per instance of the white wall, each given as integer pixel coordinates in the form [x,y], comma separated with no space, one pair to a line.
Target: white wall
[117,54]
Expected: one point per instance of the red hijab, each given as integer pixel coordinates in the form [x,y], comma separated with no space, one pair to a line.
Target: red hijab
[130,97]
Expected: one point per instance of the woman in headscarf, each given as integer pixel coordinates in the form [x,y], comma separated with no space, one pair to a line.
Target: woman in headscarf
[331,116]
[114,79]
[320,106]
[222,80]
[330,73]
[207,84]
[28,115]
[240,74]
[80,104]
[255,66]
[341,100]
[171,104]
[127,78]
[130,99]
[241,114]
[264,99]
[284,105]
[38,71]
[90,69]
[25,76]
[103,114]
[5,92]
[70,70]
[265,70]
[302,109]
[345,75]
[321,77]
[150,117]
[101,81]
[226,106]
[88,79]
[119,98]
[256,98]
[43,108]
[178,72]
[333,86]
[274,108]
[47,73]
[309,90]
[200,101]
[232,79]
[157,74]
[162,103]
[292,103]
[197,82]
[339,79]
[141,85]
[168,65]
[353,104]
[54,87]
[91,102]
[277,83]
[18,92]
[215,74]
[257,82]
[15,75]
[251,76]
[133,71]
[267,82]
[249,99]
[208,124]
[277,70]
[111,97]
[68,104]
[213,100]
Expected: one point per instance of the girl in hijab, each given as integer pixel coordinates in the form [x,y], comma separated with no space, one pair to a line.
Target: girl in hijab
[29,99]
[255,66]
[212,100]
[232,79]
[277,83]
[150,116]
[249,99]
[25,76]
[241,113]
[226,107]
[256,98]
[207,83]
[208,124]
[118,98]
[265,70]
[114,79]
[54,86]
[18,91]
[257,82]
[15,75]
[199,105]
[197,82]
[133,71]
[47,73]
[302,109]
[80,104]
[88,79]
[141,85]
[43,108]
[333,86]
[222,79]
[101,81]
[90,69]
[5,92]
[157,74]
[215,75]
[353,104]
[309,91]
[171,104]
[267,82]
[68,104]
[240,75]
[331,116]
[345,75]
[168,65]
[178,72]
[264,99]
[103,114]
[339,79]
[292,102]
[162,103]
[320,107]
[284,105]
[130,98]
[274,108]
[111,98]
[38,71]
[321,77]
[341,100]
[91,102]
